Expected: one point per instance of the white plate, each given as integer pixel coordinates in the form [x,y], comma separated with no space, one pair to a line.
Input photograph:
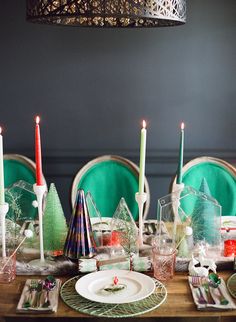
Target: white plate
[228,226]
[228,221]
[138,286]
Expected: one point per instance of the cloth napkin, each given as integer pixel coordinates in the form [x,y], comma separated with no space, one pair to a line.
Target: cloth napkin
[215,295]
[53,297]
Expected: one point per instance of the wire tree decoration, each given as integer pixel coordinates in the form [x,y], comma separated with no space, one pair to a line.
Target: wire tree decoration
[123,224]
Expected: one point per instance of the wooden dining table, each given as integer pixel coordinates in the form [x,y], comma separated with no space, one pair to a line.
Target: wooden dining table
[178,306]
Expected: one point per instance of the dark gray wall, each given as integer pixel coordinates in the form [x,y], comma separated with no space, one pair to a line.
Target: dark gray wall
[93,87]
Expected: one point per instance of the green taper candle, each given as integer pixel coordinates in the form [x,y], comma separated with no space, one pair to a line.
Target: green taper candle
[142,158]
[2,194]
[181,155]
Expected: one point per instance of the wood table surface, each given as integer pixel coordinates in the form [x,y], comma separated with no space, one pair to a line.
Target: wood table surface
[179,303]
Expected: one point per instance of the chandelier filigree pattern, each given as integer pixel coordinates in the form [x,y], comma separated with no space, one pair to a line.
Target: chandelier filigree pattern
[108,13]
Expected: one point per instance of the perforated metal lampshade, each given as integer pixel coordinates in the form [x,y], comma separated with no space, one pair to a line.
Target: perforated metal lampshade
[107,13]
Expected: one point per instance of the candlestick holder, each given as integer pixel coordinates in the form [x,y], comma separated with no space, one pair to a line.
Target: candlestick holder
[39,192]
[177,189]
[178,186]
[3,211]
[141,198]
[176,196]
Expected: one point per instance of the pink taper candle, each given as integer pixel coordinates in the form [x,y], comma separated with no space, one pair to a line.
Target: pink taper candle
[38,154]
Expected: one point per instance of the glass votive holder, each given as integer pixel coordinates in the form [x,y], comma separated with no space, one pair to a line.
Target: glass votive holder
[106,238]
[102,238]
[97,235]
[8,268]
[164,263]
[229,247]
[116,237]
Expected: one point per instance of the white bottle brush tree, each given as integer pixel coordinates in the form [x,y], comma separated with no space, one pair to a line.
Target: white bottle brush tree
[54,223]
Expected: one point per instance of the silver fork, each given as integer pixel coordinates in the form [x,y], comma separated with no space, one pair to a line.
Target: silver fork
[195,283]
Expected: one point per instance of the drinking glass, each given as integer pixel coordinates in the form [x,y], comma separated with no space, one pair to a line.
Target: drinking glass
[8,268]
[164,256]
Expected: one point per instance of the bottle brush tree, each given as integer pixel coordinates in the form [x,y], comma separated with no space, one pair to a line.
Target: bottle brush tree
[54,223]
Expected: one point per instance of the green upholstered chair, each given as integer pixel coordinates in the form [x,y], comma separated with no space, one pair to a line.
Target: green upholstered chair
[16,168]
[221,179]
[109,178]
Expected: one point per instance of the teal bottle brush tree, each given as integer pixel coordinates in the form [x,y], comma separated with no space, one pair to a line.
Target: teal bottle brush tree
[205,219]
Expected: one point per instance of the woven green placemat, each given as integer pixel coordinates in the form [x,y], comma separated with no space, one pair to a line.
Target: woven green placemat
[231,285]
[78,303]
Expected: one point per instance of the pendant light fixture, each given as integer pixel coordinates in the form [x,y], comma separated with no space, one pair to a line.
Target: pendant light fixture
[107,13]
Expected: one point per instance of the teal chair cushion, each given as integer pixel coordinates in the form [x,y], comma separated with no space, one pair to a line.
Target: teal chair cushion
[17,168]
[108,181]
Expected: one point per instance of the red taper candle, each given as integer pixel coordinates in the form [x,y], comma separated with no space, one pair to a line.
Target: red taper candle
[38,154]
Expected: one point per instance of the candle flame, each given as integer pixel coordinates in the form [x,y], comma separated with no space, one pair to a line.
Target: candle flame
[182,126]
[0,130]
[144,124]
[37,119]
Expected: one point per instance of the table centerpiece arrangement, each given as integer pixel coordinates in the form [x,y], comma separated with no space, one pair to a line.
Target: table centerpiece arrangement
[113,252]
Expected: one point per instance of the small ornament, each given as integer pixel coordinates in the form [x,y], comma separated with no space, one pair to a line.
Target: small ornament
[80,241]
[205,261]
[116,280]
[214,279]
[49,283]
[28,233]
[196,271]
[35,203]
[115,287]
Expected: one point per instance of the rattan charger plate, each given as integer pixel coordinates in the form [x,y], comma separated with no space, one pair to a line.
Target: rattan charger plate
[78,303]
[231,285]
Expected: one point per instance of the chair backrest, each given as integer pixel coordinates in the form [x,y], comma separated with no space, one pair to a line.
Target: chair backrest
[19,170]
[220,177]
[109,178]
[18,167]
